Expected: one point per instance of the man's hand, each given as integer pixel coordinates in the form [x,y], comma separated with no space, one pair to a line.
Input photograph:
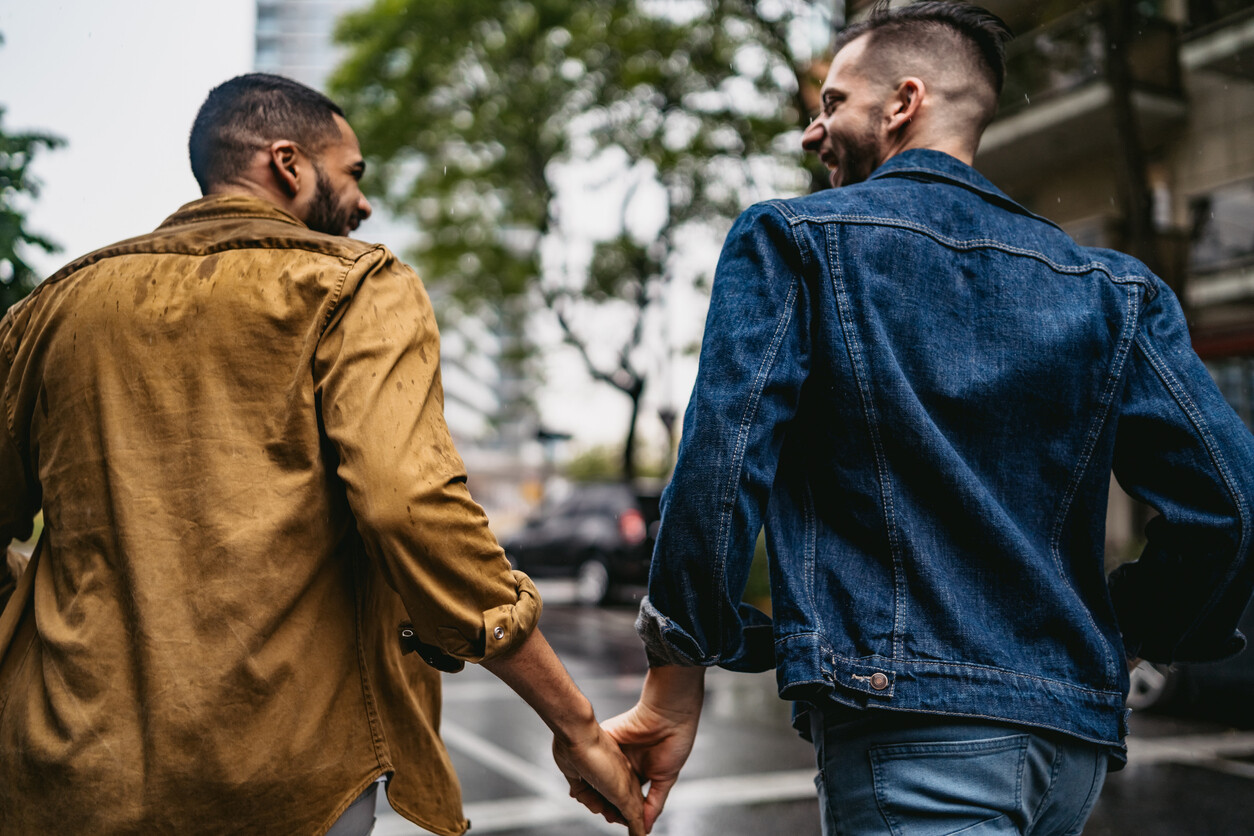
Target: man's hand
[600,778]
[599,775]
[657,733]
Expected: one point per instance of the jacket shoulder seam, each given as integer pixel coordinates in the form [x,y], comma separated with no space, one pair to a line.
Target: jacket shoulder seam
[967,244]
[334,298]
[145,247]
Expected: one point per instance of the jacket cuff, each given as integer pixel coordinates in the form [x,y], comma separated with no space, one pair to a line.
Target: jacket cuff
[506,627]
[501,630]
[653,629]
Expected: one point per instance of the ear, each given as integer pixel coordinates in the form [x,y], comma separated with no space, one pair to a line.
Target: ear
[903,105]
[288,166]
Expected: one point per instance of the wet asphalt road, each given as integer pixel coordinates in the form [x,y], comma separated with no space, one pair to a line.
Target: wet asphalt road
[750,775]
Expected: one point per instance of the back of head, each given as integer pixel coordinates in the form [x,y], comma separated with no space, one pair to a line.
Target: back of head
[958,49]
[244,115]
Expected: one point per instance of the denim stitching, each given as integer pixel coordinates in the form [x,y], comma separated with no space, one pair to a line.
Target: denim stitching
[854,347]
[1055,768]
[1082,814]
[1023,756]
[1114,375]
[883,753]
[738,452]
[971,244]
[811,554]
[810,549]
[1195,417]
[876,780]
[943,663]
[1190,409]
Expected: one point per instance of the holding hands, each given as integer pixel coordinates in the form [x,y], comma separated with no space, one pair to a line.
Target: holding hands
[657,734]
[605,765]
[599,775]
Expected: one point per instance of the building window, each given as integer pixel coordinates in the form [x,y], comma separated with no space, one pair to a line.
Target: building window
[1207,12]
[268,56]
[268,21]
[1223,228]
[1235,376]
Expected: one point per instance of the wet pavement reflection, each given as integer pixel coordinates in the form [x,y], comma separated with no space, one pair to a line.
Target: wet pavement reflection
[751,774]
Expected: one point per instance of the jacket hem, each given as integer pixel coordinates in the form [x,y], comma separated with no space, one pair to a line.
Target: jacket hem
[810,672]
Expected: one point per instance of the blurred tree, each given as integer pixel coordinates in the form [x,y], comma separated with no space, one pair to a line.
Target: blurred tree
[17,187]
[472,111]
[603,463]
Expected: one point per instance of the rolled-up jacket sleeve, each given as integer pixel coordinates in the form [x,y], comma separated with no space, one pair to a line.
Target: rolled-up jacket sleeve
[1182,450]
[377,378]
[755,356]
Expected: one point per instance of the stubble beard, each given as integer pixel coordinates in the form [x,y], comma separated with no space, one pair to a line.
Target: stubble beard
[859,156]
[325,213]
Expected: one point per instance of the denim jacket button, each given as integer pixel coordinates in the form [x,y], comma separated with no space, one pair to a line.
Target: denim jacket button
[499,633]
[879,682]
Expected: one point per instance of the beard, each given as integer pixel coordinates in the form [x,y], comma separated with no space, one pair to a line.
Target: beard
[325,213]
[859,155]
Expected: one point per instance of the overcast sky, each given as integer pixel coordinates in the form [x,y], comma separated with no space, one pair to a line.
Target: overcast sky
[121,81]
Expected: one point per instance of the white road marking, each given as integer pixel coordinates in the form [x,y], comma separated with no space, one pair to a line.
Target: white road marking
[551,806]
[520,813]
[504,762]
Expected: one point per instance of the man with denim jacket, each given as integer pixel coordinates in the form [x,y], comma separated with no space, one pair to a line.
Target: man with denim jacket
[921,389]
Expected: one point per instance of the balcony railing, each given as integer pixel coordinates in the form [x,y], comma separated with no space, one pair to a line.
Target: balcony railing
[1207,15]
[1070,53]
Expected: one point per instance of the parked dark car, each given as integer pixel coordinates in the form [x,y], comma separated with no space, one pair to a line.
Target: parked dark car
[601,536]
[1216,690]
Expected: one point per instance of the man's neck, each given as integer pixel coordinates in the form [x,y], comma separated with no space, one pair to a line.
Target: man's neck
[248,188]
[955,148]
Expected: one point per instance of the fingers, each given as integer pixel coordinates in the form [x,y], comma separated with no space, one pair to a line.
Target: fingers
[601,779]
[589,797]
[655,801]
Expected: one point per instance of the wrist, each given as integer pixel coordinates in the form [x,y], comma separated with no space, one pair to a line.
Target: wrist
[675,692]
[577,724]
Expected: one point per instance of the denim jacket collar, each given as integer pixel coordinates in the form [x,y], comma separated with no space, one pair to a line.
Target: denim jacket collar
[928,164]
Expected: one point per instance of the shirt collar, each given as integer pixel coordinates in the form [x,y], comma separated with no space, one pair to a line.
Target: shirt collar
[219,207]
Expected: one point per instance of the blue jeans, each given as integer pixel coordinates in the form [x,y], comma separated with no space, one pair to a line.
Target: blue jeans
[888,773]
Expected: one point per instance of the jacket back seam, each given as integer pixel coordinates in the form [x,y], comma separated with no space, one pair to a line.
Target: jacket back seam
[853,347]
[970,244]
[731,488]
[146,247]
[1114,375]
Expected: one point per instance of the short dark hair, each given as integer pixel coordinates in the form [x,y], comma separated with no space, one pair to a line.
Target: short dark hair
[984,31]
[245,114]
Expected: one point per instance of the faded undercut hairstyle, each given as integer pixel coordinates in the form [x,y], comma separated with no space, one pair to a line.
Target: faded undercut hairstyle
[247,113]
[934,28]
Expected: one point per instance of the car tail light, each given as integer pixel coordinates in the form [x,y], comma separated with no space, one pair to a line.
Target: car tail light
[631,526]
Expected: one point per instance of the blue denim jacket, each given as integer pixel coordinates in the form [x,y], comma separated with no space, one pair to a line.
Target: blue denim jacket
[921,389]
